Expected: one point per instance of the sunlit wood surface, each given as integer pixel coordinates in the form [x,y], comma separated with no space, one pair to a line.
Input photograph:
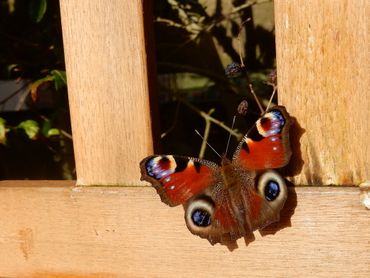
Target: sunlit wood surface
[322,52]
[54,228]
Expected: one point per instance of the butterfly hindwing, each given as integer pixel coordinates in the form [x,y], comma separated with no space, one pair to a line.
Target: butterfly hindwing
[264,199]
[211,215]
[238,204]
[266,145]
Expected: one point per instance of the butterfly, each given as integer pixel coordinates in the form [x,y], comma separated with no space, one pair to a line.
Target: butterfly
[225,202]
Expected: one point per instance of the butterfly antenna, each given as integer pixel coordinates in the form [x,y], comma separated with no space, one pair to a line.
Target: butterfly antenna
[197,132]
[228,139]
[272,96]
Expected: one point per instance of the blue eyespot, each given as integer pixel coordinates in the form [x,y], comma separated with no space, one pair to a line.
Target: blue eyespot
[201,218]
[272,190]
[159,167]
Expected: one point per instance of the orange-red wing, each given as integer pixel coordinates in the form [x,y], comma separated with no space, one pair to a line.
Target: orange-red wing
[266,145]
[177,178]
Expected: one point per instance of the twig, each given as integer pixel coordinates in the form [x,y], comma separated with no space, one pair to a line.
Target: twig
[205,135]
[221,124]
[209,145]
[239,43]
[234,11]
[66,134]
[255,97]
[169,22]
[247,5]
[164,134]
[207,28]
[211,119]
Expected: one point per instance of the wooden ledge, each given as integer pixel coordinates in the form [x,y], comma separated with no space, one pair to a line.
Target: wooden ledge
[54,228]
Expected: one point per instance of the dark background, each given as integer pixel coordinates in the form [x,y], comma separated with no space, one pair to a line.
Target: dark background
[195,41]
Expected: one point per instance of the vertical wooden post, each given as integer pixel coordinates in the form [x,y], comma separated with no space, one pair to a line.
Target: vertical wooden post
[106,65]
[323,78]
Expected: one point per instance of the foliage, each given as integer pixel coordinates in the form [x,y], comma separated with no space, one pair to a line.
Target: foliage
[30,127]
[195,41]
[200,39]
[31,50]
[3,131]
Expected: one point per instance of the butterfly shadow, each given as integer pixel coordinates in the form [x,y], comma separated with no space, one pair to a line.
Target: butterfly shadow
[285,214]
[296,162]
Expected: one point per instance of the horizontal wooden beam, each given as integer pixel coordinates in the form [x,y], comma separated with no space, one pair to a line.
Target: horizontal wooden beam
[55,228]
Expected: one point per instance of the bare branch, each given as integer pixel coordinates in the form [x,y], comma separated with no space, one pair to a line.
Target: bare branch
[206,117]
[205,135]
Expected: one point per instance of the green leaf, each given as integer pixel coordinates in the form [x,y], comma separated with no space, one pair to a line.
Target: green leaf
[47,130]
[37,10]
[60,79]
[35,86]
[3,131]
[53,132]
[10,68]
[30,127]
[46,126]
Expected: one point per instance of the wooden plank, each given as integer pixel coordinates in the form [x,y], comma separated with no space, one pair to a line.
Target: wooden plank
[69,231]
[106,64]
[323,79]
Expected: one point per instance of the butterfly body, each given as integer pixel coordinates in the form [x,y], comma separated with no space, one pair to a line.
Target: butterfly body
[225,202]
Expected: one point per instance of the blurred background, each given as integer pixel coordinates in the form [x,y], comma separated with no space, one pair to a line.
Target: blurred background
[201,80]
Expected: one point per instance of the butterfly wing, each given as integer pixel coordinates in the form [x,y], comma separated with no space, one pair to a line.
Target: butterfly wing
[211,215]
[178,178]
[266,145]
[264,199]
[199,186]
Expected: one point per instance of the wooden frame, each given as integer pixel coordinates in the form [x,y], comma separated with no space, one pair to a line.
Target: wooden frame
[54,229]
[58,229]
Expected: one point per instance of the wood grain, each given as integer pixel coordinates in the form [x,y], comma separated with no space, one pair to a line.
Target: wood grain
[59,230]
[323,79]
[106,64]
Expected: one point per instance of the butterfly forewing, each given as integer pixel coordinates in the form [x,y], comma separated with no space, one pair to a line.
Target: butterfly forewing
[178,178]
[266,145]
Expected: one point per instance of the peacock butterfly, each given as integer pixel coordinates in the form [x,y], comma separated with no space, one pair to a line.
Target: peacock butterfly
[225,202]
